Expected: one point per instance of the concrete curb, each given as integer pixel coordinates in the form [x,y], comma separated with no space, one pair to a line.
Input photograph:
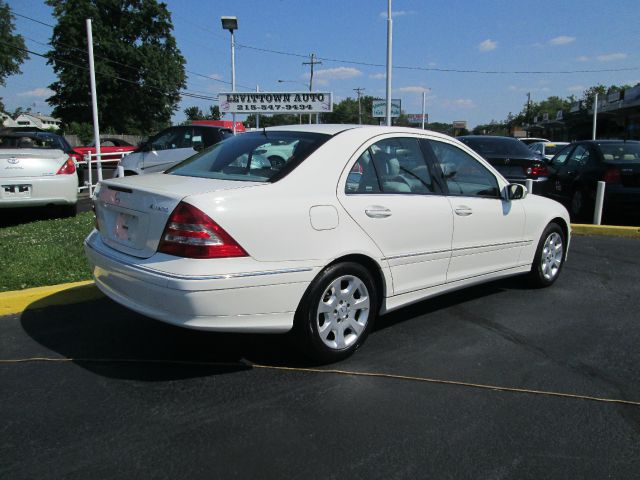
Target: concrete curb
[606,230]
[69,293]
[63,294]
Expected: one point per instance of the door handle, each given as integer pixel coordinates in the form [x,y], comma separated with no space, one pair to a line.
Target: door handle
[463,211]
[377,212]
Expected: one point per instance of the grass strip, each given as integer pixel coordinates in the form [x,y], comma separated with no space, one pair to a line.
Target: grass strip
[45,252]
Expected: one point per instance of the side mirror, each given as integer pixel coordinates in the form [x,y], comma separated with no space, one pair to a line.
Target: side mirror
[198,146]
[515,191]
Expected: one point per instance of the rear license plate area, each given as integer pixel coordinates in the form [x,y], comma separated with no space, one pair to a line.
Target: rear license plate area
[16,191]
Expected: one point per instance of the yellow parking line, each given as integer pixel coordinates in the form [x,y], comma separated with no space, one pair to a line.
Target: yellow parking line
[608,230]
[39,297]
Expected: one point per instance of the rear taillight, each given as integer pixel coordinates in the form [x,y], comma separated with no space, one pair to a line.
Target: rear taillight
[191,233]
[67,168]
[611,175]
[538,170]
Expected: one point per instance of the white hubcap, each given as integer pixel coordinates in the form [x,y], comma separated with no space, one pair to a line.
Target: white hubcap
[343,312]
[551,259]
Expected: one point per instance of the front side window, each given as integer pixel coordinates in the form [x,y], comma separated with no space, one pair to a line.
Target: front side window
[561,157]
[579,158]
[254,157]
[394,165]
[172,138]
[463,174]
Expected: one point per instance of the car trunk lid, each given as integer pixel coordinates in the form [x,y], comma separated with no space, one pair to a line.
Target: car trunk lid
[513,167]
[31,163]
[132,212]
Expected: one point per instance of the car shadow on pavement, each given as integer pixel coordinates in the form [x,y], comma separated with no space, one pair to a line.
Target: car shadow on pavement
[115,342]
[110,340]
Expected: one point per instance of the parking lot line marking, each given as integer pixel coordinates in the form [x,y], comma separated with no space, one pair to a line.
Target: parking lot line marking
[392,376]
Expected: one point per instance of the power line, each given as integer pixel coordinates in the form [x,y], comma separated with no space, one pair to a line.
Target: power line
[185,93]
[115,62]
[402,67]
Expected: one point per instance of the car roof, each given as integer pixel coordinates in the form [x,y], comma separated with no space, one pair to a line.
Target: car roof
[487,137]
[334,129]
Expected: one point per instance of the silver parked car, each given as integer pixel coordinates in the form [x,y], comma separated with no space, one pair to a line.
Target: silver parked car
[35,171]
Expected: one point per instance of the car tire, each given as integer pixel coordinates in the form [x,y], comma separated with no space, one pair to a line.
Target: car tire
[336,313]
[549,257]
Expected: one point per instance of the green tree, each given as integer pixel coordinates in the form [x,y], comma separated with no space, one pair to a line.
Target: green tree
[12,48]
[139,68]
[214,113]
[346,111]
[193,113]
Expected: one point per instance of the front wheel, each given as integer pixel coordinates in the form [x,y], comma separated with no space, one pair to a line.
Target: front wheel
[549,257]
[336,313]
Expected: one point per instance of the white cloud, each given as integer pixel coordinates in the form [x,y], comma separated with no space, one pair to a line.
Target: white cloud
[378,76]
[487,45]
[432,64]
[609,57]
[576,88]
[463,103]
[398,13]
[339,73]
[215,76]
[562,40]
[583,58]
[411,89]
[37,93]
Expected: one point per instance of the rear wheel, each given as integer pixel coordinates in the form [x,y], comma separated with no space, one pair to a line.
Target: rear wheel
[549,257]
[337,312]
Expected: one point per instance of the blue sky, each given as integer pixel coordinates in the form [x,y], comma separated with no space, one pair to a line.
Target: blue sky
[492,35]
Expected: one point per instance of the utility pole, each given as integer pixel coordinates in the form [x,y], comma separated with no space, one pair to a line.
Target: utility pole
[358,91]
[312,63]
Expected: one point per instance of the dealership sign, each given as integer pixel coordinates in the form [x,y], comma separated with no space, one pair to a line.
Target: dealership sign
[276,102]
[380,108]
[417,118]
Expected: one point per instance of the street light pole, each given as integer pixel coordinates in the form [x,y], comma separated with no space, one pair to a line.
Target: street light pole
[595,115]
[231,24]
[389,49]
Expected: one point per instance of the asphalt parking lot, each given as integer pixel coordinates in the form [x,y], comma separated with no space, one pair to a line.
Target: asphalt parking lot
[144,399]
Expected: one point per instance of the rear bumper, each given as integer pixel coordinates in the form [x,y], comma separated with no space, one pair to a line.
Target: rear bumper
[258,301]
[56,189]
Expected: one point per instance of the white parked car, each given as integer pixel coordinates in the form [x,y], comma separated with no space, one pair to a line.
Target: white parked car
[357,222]
[170,146]
[36,171]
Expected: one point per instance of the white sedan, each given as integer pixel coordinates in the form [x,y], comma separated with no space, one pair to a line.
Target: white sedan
[36,171]
[358,221]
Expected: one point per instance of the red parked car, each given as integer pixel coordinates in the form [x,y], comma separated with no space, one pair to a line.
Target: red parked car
[113,146]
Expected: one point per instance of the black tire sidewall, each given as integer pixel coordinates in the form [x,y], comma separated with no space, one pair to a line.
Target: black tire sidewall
[536,276]
[305,325]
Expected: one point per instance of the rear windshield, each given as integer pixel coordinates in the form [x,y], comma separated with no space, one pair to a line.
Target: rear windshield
[620,152]
[254,157]
[553,148]
[44,142]
[497,146]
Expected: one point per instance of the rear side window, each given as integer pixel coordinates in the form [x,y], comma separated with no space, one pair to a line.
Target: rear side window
[254,157]
[393,165]
[620,152]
